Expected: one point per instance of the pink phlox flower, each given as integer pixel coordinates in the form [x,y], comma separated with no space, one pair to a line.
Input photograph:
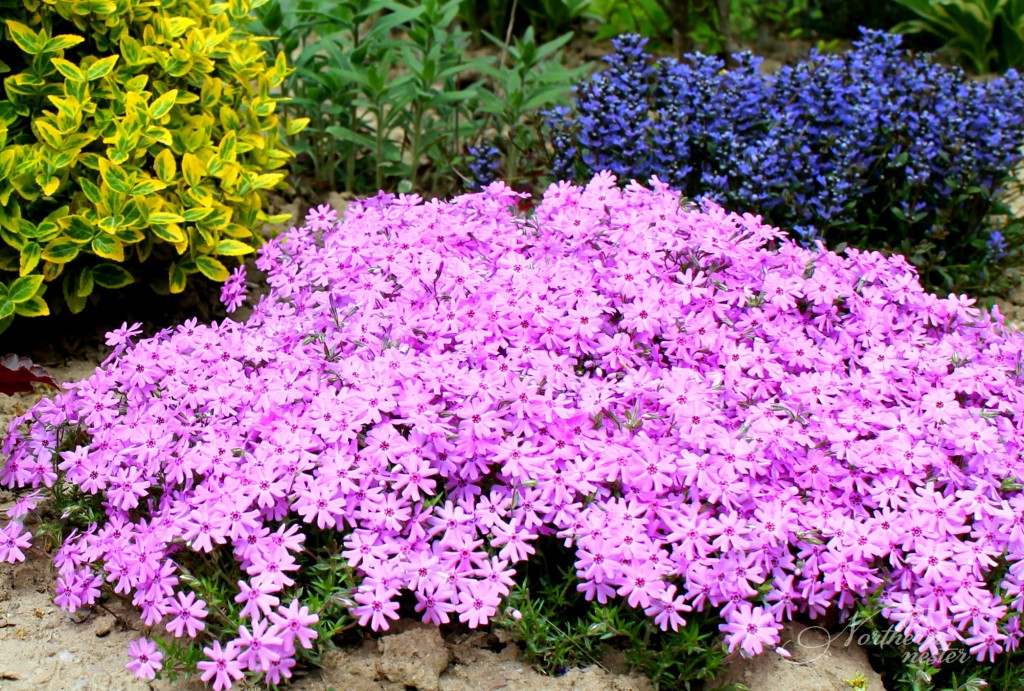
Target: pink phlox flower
[478,602]
[256,601]
[13,539]
[294,623]
[750,629]
[145,658]
[375,607]
[122,336]
[188,615]
[260,648]
[221,665]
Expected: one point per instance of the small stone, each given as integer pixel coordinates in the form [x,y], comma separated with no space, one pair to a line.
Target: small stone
[104,626]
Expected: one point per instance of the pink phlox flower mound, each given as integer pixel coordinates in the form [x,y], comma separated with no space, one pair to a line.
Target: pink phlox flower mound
[706,414]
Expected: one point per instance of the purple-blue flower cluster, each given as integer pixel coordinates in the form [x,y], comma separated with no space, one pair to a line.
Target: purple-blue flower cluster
[873,148]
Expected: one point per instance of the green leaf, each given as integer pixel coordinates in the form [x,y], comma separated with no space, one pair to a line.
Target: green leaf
[6,307]
[116,179]
[232,248]
[33,307]
[147,187]
[212,269]
[25,288]
[347,135]
[166,167]
[197,214]
[68,69]
[75,303]
[84,283]
[30,42]
[61,42]
[162,106]
[177,278]
[30,255]
[161,217]
[108,248]
[101,68]
[111,276]
[168,233]
[60,251]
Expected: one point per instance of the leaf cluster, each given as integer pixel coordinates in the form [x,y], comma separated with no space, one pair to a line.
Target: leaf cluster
[130,134]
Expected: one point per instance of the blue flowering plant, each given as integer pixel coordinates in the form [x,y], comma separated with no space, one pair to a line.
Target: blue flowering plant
[874,148]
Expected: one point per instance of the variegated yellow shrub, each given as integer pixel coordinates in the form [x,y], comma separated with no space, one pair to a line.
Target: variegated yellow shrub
[136,140]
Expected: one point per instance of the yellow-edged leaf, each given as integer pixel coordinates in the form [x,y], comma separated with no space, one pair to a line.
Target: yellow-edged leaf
[147,187]
[111,276]
[232,248]
[197,214]
[162,106]
[84,283]
[29,41]
[192,169]
[115,177]
[166,167]
[49,134]
[108,247]
[24,288]
[59,251]
[267,181]
[49,185]
[30,255]
[68,69]
[101,68]
[212,269]
[296,125]
[61,42]
[33,307]
[177,278]
[171,233]
[165,217]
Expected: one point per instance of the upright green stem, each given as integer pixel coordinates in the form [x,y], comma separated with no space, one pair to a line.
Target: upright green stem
[379,109]
[416,133]
[350,160]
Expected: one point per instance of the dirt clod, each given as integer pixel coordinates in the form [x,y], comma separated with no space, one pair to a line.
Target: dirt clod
[416,657]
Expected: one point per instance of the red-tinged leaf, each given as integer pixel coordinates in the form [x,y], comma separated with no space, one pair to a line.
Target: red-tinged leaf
[17,374]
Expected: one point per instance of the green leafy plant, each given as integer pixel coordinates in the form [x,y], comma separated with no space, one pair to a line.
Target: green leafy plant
[528,77]
[129,135]
[391,99]
[381,85]
[987,34]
